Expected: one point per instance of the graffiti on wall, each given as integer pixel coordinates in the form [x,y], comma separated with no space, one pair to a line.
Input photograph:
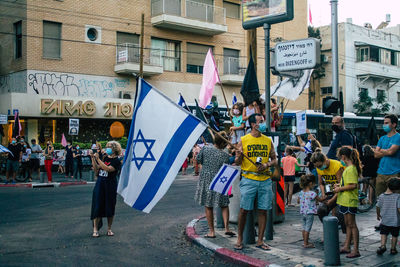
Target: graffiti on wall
[67,84]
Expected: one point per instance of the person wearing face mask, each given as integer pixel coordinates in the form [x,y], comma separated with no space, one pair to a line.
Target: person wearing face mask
[105,191]
[48,160]
[237,130]
[26,155]
[388,150]
[329,173]
[256,177]
[69,160]
[35,160]
[13,160]
[342,138]
[77,155]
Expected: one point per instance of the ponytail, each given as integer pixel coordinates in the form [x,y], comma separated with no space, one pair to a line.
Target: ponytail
[351,154]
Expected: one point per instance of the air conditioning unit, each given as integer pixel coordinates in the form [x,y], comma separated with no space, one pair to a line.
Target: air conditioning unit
[324,58]
[92,34]
[126,95]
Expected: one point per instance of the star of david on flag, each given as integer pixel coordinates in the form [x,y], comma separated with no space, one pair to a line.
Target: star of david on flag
[161,136]
[224,179]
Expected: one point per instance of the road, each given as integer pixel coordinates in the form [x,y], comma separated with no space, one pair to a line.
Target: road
[52,227]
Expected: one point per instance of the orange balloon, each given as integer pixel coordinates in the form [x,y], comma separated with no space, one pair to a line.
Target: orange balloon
[117,130]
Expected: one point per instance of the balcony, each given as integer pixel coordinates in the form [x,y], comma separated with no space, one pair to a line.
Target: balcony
[189,16]
[378,73]
[128,60]
[233,71]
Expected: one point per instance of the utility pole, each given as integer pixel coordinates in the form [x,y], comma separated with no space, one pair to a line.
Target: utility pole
[141,47]
[334,42]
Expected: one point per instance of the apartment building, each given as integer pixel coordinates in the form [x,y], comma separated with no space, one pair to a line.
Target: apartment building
[63,59]
[369,59]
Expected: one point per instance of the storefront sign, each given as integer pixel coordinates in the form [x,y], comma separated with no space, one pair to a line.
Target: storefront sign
[3,119]
[73,127]
[84,108]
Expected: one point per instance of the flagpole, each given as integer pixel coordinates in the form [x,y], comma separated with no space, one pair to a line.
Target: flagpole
[223,92]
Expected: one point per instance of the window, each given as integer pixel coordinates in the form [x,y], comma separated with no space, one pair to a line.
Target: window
[130,38]
[166,53]
[231,61]
[128,49]
[326,90]
[51,39]
[398,96]
[384,56]
[232,10]
[362,54]
[380,93]
[18,39]
[195,57]
[364,90]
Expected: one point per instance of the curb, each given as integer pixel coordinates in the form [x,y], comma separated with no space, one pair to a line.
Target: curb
[221,252]
[39,185]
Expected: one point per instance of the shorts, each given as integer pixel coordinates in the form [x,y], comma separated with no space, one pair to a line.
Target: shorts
[35,164]
[249,189]
[289,178]
[12,165]
[345,210]
[308,220]
[393,230]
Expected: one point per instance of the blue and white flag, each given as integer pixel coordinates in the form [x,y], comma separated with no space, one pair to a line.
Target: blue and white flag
[234,99]
[3,149]
[182,103]
[224,179]
[161,136]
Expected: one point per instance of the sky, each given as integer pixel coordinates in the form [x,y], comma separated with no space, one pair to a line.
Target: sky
[360,11]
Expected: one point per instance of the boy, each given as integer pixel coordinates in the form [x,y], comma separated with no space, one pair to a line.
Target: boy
[388,209]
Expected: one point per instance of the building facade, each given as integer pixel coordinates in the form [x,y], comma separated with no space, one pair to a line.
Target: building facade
[369,60]
[62,59]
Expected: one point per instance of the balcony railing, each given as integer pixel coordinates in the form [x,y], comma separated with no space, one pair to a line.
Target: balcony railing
[234,66]
[189,9]
[130,53]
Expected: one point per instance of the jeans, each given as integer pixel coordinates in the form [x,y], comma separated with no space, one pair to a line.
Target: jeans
[77,168]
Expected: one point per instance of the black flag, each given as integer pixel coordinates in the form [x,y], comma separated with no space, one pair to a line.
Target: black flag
[372,132]
[200,114]
[17,126]
[250,90]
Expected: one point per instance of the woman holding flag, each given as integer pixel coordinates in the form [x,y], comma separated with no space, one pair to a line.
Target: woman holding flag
[212,158]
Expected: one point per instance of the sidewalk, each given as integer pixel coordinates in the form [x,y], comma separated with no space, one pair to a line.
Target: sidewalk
[59,180]
[287,247]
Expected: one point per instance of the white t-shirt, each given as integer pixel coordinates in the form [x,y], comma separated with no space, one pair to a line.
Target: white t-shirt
[25,156]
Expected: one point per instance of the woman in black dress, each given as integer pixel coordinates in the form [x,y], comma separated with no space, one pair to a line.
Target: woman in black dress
[105,190]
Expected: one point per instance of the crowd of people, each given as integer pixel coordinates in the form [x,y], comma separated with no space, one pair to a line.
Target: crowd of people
[329,187]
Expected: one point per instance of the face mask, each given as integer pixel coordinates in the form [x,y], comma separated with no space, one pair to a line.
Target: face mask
[77,147]
[386,128]
[236,112]
[13,142]
[262,127]
[24,145]
[323,167]
[336,128]
[108,151]
[343,163]
[22,140]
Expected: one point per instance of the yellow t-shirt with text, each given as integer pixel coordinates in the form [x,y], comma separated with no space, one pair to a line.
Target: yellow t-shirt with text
[329,174]
[255,147]
[349,198]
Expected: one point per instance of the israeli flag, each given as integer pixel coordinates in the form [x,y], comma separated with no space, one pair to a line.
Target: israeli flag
[307,147]
[182,103]
[234,99]
[161,136]
[224,179]
[3,149]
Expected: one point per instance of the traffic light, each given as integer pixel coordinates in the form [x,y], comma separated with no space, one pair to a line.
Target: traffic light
[330,105]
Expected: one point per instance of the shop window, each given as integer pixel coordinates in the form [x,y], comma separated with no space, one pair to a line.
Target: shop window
[166,53]
[18,39]
[232,10]
[51,39]
[326,90]
[195,57]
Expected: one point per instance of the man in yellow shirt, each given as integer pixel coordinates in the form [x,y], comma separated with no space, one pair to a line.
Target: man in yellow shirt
[256,179]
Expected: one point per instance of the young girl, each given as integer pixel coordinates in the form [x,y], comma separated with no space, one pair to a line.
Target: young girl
[347,199]
[288,164]
[307,200]
[250,109]
[237,130]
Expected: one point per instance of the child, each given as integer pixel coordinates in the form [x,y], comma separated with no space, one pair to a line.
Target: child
[388,209]
[347,199]
[185,166]
[307,200]
[237,130]
[288,164]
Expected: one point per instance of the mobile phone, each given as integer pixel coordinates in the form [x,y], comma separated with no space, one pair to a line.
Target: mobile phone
[94,151]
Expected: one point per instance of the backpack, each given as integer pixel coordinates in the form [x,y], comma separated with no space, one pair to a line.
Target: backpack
[356,143]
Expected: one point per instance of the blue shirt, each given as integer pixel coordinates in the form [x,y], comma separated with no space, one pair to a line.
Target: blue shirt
[237,121]
[389,164]
[342,138]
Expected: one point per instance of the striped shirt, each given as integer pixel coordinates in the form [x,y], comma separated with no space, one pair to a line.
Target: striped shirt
[389,205]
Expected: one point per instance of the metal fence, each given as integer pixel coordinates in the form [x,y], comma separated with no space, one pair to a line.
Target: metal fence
[234,65]
[129,52]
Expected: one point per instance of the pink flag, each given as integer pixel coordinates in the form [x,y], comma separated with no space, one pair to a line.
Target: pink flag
[309,15]
[63,140]
[210,78]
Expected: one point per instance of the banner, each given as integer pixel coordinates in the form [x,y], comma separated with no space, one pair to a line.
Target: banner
[301,122]
[73,127]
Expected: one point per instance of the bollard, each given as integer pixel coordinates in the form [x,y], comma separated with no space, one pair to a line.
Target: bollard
[220,219]
[331,240]
[269,229]
[249,236]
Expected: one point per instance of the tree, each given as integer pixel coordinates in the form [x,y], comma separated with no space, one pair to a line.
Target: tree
[382,106]
[364,103]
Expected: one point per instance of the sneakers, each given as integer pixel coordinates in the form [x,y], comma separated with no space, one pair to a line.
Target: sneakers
[6,182]
[13,182]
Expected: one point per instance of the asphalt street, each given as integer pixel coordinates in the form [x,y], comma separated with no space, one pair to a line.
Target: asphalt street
[52,227]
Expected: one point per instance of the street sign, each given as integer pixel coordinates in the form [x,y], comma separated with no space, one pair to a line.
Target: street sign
[297,55]
[73,127]
[258,12]
[3,119]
